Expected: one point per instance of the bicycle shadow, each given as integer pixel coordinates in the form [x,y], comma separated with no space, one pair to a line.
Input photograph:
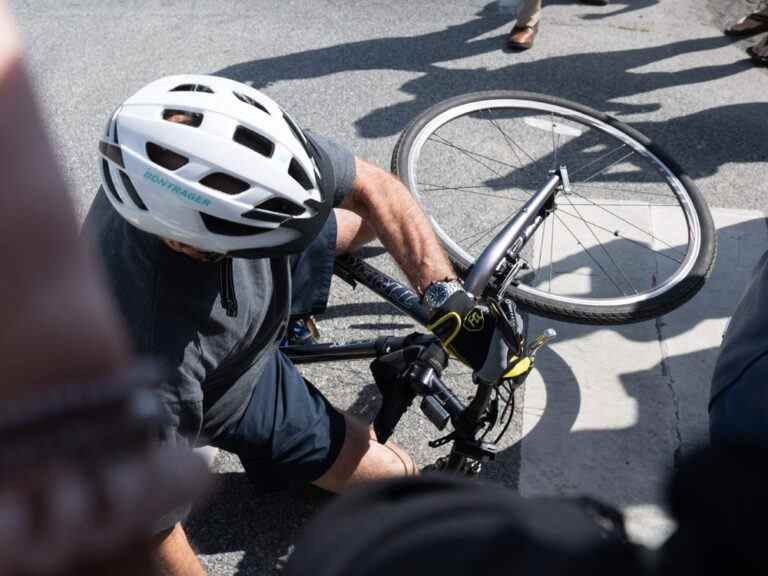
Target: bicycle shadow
[618,436]
[622,451]
[623,463]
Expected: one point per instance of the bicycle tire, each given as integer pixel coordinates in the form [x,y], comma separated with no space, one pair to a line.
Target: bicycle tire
[698,264]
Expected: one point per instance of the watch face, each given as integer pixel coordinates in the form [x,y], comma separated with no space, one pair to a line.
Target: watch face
[436,294]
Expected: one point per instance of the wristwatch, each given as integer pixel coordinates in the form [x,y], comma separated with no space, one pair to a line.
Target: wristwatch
[437,293]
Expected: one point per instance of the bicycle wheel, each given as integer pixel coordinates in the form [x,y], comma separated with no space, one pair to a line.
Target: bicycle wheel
[632,240]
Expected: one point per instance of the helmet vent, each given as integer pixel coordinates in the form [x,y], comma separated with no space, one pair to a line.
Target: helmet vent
[227,228]
[254,141]
[193,119]
[108,180]
[298,133]
[166,158]
[248,100]
[192,88]
[282,206]
[296,172]
[132,191]
[225,183]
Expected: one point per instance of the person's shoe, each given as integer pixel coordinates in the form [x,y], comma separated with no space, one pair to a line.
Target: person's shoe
[751,24]
[522,37]
[301,331]
[595,2]
[759,53]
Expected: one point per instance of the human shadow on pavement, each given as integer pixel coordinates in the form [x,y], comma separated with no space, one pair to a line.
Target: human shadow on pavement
[602,80]
[596,78]
[410,53]
[613,9]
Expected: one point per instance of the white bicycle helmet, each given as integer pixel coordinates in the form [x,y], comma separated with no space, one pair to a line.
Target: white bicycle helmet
[235,175]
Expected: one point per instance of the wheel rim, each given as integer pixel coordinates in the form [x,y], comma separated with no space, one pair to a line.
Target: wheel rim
[567,120]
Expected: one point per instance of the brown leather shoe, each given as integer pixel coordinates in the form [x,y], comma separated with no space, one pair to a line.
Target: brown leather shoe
[522,37]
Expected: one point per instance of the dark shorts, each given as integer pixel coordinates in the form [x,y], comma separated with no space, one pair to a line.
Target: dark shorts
[311,272]
[290,434]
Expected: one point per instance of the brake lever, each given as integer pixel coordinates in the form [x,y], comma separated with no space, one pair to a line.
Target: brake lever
[507,321]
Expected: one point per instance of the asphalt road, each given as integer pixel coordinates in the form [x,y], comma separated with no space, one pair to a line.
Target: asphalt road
[359,71]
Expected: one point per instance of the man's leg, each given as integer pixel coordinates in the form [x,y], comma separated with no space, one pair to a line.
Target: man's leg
[175,556]
[363,458]
[528,14]
[290,435]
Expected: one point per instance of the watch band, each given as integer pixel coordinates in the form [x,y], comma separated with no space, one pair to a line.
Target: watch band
[437,293]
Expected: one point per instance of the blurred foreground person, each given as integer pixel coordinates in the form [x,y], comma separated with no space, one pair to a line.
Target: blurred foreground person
[81,478]
[738,408]
[437,524]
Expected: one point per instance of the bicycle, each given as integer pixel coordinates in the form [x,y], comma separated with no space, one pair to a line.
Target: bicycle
[544,164]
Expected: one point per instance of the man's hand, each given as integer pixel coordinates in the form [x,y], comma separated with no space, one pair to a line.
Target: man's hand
[470,332]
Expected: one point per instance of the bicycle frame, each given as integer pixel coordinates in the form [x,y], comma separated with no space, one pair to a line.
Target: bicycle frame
[504,248]
[352,269]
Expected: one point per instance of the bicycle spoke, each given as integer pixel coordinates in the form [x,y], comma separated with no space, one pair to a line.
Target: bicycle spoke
[624,220]
[623,204]
[551,253]
[612,164]
[507,141]
[483,233]
[541,248]
[618,235]
[471,191]
[605,250]
[602,186]
[588,164]
[511,142]
[555,141]
[471,155]
[589,253]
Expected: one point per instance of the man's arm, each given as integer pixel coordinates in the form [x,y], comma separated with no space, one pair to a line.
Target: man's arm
[386,208]
[389,211]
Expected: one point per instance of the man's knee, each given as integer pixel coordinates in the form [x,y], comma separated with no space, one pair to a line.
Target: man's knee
[363,458]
